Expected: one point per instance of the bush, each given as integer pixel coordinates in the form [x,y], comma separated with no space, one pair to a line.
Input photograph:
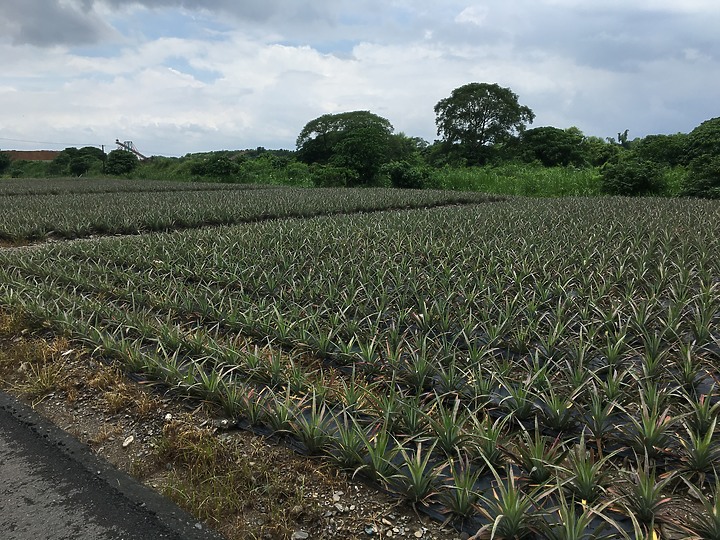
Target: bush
[631,175]
[405,175]
[215,166]
[120,162]
[297,173]
[703,177]
[704,140]
[4,162]
[81,165]
[552,146]
[330,176]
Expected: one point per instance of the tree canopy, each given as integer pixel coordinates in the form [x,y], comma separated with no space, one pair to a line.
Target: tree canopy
[356,140]
[704,140]
[77,161]
[663,149]
[480,114]
[4,162]
[553,146]
[121,162]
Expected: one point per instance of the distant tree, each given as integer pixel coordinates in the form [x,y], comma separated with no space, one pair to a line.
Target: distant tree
[403,174]
[76,161]
[4,162]
[405,148]
[363,150]
[120,162]
[704,140]
[668,150]
[553,146]
[480,114]
[357,140]
[61,163]
[80,165]
[702,157]
[219,166]
[93,152]
[630,175]
[599,151]
[703,177]
[622,138]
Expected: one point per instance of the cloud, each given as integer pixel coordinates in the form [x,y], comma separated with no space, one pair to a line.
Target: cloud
[178,76]
[476,15]
[48,23]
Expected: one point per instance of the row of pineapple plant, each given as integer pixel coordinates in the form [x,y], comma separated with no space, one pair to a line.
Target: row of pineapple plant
[605,358]
[72,214]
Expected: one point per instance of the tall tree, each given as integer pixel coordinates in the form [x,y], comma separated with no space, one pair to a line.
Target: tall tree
[356,140]
[480,114]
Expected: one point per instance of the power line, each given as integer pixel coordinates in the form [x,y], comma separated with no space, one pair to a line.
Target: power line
[48,142]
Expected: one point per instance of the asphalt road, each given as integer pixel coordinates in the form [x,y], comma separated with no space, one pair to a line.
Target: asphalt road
[52,487]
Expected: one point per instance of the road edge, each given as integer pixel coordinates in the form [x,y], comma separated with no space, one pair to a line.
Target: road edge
[167,512]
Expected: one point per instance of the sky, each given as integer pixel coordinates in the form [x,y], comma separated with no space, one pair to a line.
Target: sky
[183,76]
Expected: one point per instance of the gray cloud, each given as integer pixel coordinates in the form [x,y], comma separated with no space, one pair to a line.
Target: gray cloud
[44,24]
[233,73]
[279,12]
[606,37]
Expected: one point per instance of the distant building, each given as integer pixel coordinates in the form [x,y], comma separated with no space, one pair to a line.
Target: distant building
[31,155]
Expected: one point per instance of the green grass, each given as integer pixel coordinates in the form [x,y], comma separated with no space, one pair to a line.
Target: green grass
[522,180]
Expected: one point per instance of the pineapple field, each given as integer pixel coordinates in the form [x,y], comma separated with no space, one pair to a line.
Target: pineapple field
[522,368]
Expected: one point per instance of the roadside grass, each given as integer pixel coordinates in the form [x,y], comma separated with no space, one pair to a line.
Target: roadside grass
[242,490]
[30,365]
[36,367]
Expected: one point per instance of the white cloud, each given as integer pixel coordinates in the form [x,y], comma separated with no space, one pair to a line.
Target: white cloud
[225,83]
[476,15]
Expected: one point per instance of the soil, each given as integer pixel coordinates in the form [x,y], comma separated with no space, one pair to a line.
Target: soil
[32,155]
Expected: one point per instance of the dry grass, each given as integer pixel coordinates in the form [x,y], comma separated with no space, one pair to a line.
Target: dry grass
[104,434]
[240,488]
[31,365]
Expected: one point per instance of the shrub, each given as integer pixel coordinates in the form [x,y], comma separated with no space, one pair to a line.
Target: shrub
[631,175]
[703,177]
[297,173]
[405,175]
[120,162]
[4,162]
[330,176]
[80,165]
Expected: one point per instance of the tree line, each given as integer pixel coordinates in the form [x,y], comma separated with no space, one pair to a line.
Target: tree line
[479,125]
[482,124]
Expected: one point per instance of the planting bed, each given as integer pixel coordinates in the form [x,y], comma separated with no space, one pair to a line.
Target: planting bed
[39,209]
[515,367]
